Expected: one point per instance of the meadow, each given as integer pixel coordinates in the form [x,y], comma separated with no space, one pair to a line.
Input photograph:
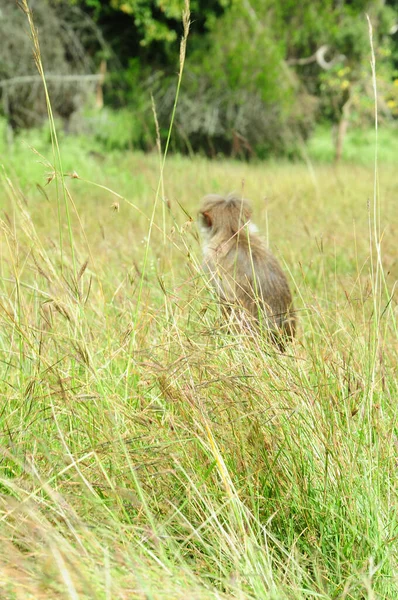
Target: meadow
[148,453]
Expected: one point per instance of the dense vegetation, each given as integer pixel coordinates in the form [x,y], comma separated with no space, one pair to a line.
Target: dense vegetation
[259,74]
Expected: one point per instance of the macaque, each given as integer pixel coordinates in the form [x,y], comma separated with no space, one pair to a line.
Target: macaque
[246,276]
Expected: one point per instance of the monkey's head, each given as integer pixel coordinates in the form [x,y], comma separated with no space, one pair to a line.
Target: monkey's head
[227,215]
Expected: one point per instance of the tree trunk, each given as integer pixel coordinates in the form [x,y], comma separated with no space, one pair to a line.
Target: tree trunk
[342,129]
[99,102]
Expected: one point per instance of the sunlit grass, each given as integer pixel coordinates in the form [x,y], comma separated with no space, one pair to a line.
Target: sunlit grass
[213,465]
[358,144]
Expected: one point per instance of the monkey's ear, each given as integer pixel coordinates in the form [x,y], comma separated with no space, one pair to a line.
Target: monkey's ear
[207,219]
[248,212]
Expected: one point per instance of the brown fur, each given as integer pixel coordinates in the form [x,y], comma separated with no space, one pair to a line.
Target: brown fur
[243,271]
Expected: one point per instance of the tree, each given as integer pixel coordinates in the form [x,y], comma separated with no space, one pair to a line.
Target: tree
[342,81]
[266,68]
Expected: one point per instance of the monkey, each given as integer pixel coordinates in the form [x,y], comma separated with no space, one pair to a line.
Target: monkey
[244,273]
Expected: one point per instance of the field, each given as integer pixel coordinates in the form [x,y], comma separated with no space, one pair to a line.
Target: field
[146,452]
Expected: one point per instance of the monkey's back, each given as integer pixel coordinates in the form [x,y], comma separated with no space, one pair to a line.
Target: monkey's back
[246,273]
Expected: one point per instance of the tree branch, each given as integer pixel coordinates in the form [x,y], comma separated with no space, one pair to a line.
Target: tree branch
[24,79]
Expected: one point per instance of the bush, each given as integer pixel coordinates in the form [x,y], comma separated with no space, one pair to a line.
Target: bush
[238,97]
[63,35]
[122,130]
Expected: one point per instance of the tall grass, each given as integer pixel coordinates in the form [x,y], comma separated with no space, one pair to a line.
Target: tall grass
[146,453]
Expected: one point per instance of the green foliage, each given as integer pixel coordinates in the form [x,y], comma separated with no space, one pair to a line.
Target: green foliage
[246,90]
[152,28]
[154,20]
[351,76]
[238,95]
[122,130]
[306,26]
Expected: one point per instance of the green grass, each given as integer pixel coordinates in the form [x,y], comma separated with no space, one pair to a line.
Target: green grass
[358,145]
[147,454]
